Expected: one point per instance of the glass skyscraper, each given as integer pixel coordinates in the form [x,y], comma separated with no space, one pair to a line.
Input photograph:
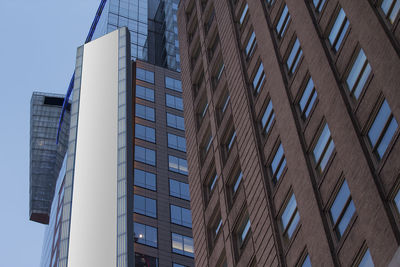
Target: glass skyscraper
[152,25]
[122,196]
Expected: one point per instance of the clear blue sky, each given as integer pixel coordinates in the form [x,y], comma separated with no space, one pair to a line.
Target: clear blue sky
[38,41]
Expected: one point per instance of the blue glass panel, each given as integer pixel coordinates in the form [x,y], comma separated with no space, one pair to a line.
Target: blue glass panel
[298,57]
[250,43]
[188,249]
[186,218]
[280,27]
[344,222]
[326,156]
[322,142]
[213,182]
[174,189]
[289,210]
[366,260]
[307,262]
[337,26]
[293,53]
[341,36]
[362,81]
[278,156]
[231,140]
[267,119]
[306,94]
[258,78]
[395,11]
[280,171]
[379,123]
[386,5]
[397,201]
[245,231]
[176,215]
[340,201]
[243,16]
[237,182]
[356,69]
[387,137]
[185,192]
[293,225]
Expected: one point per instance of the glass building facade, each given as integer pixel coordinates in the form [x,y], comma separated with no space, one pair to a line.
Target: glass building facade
[152,25]
[46,155]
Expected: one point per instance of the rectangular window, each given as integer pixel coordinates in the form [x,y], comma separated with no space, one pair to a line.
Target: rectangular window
[278,164]
[267,118]
[213,182]
[145,234]
[294,57]
[342,210]
[145,75]
[283,22]
[177,165]
[237,180]
[145,133]
[176,142]
[145,155]
[145,112]
[319,4]
[250,45]
[145,206]
[382,130]
[173,84]
[339,30]
[181,216]
[366,260]
[145,93]
[179,189]
[145,179]
[391,9]
[307,99]
[290,218]
[177,265]
[259,78]
[244,13]
[358,74]
[175,121]
[323,149]
[174,102]
[243,231]
[182,245]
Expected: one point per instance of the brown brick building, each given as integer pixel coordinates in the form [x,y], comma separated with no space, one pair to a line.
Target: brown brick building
[291,113]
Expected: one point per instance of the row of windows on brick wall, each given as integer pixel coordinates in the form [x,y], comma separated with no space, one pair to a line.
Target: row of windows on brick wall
[148,156]
[148,76]
[147,235]
[148,180]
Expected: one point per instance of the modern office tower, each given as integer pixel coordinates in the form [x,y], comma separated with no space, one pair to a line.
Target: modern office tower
[122,198]
[153,28]
[292,111]
[45,155]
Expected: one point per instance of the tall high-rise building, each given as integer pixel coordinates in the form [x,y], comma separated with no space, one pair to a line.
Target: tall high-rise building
[122,196]
[152,25]
[45,155]
[292,111]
